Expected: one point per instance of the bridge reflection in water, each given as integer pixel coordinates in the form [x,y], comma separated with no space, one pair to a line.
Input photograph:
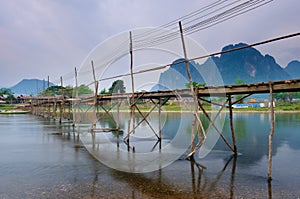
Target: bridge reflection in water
[50,105]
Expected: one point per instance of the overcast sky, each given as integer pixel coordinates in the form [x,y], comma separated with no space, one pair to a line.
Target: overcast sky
[50,37]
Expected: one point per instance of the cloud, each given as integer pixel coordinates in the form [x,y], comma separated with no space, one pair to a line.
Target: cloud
[51,37]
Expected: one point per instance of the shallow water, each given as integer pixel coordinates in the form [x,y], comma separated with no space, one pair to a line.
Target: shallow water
[39,158]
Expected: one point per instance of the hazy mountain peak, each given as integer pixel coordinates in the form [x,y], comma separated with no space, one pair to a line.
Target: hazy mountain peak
[293,69]
[30,86]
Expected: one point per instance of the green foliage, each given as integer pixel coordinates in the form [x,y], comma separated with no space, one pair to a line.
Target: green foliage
[287,96]
[103,91]
[6,107]
[10,97]
[117,86]
[238,97]
[239,81]
[5,91]
[67,91]
[83,89]
[195,84]
[51,91]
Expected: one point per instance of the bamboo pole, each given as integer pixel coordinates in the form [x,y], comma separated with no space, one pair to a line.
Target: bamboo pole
[212,123]
[118,118]
[76,98]
[271,135]
[54,109]
[131,66]
[95,96]
[69,111]
[60,112]
[159,123]
[132,105]
[145,116]
[159,120]
[49,108]
[48,82]
[37,87]
[194,94]
[231,125]
[191,86]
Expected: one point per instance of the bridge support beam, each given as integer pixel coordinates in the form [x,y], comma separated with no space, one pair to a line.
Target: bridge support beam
[231,125]
[271,135]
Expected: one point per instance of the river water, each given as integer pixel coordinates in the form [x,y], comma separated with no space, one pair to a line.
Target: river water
[40,158]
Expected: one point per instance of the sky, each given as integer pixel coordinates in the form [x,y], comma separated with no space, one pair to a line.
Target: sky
[41,38]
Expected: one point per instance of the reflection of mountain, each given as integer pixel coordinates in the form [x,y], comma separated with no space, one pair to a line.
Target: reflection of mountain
[247,64]
[251,130]
[252,134]
[289,124]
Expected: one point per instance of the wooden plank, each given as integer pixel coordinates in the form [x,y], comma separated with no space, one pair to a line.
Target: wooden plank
[262,87]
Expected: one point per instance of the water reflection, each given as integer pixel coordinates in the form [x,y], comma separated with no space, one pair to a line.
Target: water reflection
[42,159]
[252,131]
[252,139]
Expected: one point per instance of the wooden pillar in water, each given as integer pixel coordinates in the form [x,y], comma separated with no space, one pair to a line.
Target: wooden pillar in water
[231,125]
[95,97]
[76,98]
[159,119]
[118,119]
[54,109]
[49,108]
[159,123]
[61,109]
[132,104]
[271,135]
[118,113]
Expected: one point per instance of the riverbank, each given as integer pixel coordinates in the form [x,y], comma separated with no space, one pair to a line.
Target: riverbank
[175,107]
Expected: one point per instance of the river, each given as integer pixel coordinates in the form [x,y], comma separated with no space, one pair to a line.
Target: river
[40,158]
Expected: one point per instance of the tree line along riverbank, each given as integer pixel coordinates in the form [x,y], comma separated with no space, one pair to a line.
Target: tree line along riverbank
[174,106]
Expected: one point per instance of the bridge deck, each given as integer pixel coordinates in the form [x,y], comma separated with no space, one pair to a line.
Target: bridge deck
[263,87]
[257,88]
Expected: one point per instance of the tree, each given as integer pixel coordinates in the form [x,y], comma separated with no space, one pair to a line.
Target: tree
[195,84]
[83,89]
[51,91]
[5,91]
[117,86]
[68,91]
[239,81]
[9,95]
[239,97]
[286,96]
[103,91]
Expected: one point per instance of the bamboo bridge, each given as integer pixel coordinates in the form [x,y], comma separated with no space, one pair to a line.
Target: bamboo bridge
[63,108]
[60,107]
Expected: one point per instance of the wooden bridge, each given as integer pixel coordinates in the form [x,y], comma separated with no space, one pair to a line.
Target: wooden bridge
[62,107]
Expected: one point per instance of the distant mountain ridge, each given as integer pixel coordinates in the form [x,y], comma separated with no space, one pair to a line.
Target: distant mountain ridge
[293,69]
[248,65]
[30,86]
